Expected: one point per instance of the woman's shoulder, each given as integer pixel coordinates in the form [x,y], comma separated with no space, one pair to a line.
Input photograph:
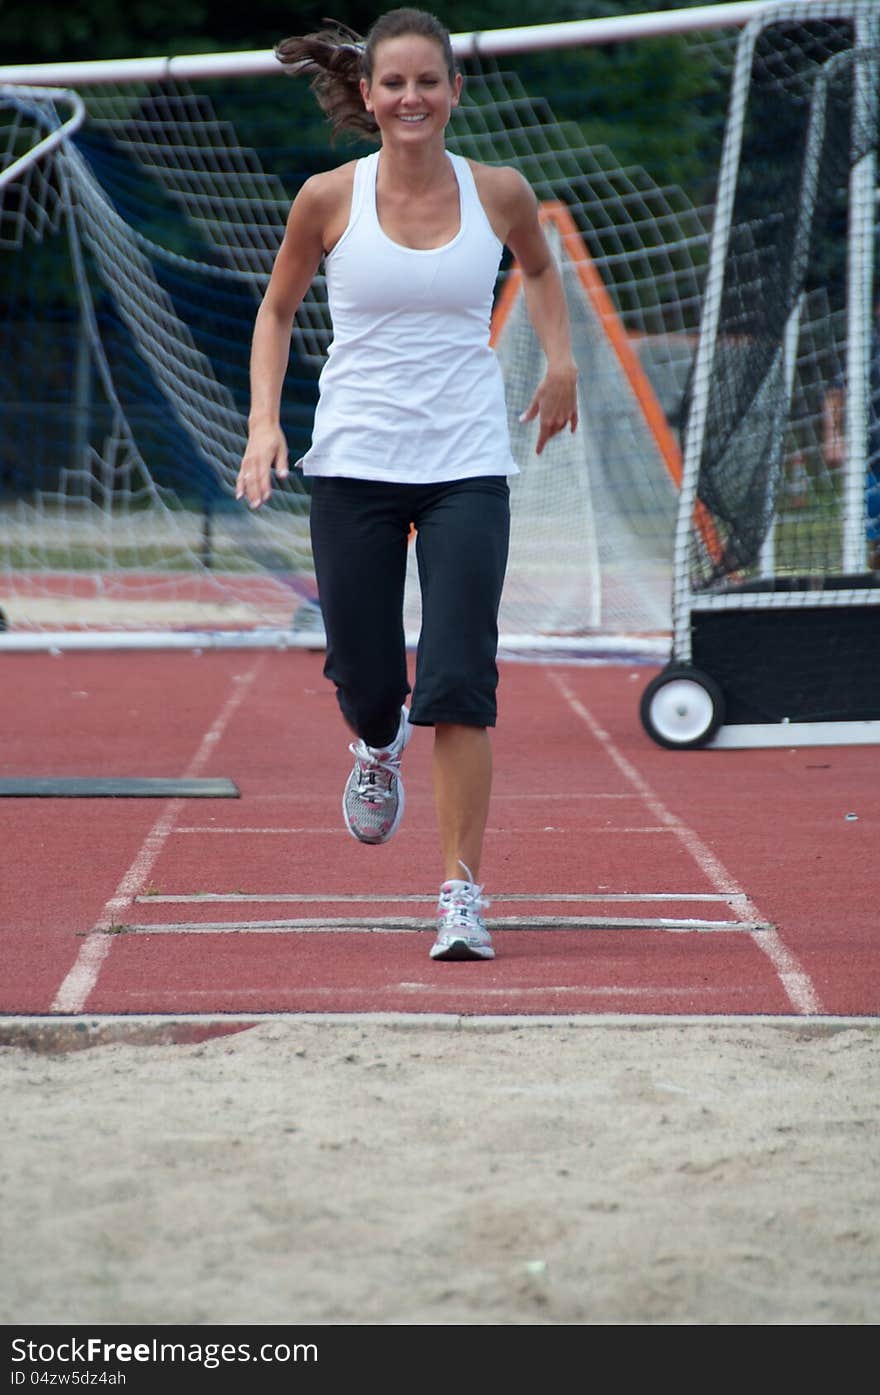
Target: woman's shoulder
[321,209]
[502,185]
[322,191]
[505,194]
[502,179]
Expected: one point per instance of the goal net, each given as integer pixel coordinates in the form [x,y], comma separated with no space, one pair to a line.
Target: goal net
[133,255]
[776,590]
[592,518]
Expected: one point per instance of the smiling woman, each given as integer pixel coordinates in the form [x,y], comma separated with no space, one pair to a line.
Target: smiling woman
[411,425]
[338,59]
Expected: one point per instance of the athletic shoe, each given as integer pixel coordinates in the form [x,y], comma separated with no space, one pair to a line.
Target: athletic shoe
[461,931]
[372,804]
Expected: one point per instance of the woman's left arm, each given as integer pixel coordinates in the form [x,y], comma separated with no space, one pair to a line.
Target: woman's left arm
[555,399]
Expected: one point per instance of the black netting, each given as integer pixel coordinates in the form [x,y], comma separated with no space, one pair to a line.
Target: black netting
[811,115]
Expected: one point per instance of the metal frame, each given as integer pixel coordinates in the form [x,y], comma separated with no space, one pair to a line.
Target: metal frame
[687,602]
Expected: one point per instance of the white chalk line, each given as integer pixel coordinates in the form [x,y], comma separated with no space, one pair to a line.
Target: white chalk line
[79,982]
[325,898]
[462,992]
[395,925]
[796,982]
[316,830]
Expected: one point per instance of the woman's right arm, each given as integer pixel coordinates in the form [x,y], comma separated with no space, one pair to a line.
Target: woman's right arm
[298,259]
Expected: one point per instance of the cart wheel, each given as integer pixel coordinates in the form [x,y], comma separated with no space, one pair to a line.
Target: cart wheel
[682,708]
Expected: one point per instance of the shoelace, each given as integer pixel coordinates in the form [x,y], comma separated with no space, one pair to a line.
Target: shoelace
[459,903]
[375,778]
[458,918]
[463,900]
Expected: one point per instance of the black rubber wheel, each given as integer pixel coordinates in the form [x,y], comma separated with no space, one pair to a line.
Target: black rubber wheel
[682,708]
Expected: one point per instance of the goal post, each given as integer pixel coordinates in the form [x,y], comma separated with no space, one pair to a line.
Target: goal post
[775,637]
[141,205]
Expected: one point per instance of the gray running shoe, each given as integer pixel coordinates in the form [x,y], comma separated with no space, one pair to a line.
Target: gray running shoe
[372,804]
[461,931]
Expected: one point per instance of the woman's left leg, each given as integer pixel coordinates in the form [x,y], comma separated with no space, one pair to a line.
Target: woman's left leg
[461,543]
[462,770]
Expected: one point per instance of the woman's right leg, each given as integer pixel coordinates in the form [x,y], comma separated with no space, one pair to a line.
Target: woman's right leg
[359,542]
[359,531]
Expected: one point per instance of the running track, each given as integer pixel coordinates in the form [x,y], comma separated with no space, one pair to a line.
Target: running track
[623,878]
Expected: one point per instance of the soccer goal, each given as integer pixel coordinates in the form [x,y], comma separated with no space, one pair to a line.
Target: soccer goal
[141,206]
[776,625]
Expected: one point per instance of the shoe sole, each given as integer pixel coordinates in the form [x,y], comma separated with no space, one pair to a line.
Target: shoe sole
[459,950]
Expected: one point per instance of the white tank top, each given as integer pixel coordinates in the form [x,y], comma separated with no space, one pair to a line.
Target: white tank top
[411,390]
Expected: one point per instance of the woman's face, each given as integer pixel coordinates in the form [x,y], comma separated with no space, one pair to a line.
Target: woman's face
[410,93]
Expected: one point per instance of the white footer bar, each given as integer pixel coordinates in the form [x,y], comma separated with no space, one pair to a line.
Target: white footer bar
[765,734]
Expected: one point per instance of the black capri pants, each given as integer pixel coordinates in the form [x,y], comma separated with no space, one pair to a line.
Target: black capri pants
[360,530]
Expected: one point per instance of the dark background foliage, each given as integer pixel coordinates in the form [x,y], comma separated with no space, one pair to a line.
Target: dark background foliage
[645,101]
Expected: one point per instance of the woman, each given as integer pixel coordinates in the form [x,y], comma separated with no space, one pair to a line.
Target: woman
[411,426]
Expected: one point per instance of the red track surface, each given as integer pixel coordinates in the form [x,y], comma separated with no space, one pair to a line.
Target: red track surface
[585,805]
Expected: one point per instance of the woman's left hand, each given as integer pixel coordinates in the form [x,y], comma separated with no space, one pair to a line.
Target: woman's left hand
[554,403]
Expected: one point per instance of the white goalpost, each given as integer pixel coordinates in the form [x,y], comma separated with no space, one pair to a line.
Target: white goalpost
[140,212]
[776,602]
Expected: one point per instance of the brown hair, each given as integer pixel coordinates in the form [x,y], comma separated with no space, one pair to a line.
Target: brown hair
[336,58]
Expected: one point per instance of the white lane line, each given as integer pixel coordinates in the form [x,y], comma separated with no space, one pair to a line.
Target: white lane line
[497,798]
[591,990]
[396,925]
[795,980]
[335,831]
[74,991]
[441,991]
[262,832]
[369,898]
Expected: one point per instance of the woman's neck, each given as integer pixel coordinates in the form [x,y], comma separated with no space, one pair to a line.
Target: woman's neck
[413,170]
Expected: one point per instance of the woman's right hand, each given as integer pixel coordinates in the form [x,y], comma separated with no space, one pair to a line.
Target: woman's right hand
[266,451]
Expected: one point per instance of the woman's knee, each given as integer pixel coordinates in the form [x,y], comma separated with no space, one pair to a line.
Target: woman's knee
[375,717]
